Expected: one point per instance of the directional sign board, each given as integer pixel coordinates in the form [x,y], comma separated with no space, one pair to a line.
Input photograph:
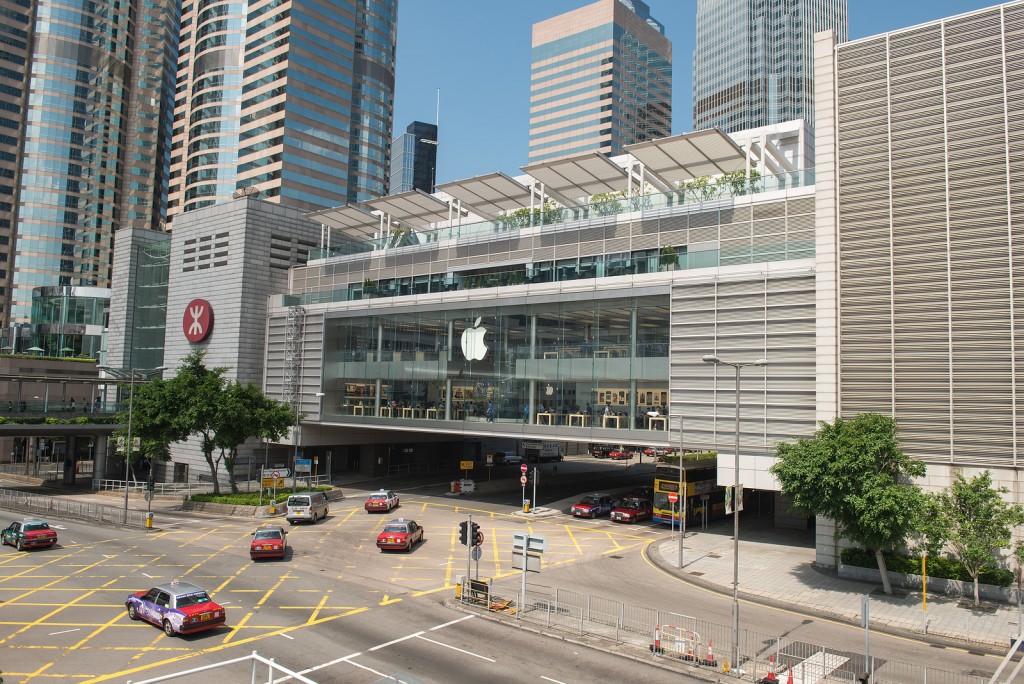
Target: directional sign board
[532,561]
[269,482]
[303,465]
[465,465]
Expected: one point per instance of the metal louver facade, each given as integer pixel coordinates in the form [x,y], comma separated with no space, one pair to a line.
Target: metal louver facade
[927,180]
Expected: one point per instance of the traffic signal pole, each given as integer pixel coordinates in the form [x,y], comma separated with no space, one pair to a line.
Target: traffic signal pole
[469,550]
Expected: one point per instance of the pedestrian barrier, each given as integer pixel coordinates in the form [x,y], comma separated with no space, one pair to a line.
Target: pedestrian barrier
[62,507]
[690,639]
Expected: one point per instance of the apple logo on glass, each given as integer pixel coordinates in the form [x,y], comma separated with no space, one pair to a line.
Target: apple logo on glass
[473,346]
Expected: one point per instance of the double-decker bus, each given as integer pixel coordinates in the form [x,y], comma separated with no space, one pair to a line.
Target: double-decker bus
[699,477]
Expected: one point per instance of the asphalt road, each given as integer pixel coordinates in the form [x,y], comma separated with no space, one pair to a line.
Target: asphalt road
[341,610]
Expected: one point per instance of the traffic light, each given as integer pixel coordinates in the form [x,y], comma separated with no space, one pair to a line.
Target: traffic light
[478,536]
[150,484]
[463,533]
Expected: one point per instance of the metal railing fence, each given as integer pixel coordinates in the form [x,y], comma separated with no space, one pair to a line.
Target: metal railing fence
[63,507]
[701,642]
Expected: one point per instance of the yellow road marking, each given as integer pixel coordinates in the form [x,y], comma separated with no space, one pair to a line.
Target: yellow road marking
[99,629]
[152,646]
[573,538]
[272,589]
[234,630]
[316,611]
[388,601]
[215,649]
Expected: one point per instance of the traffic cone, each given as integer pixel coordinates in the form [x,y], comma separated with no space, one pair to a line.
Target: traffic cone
[711,657]
[789,680]
[770,677]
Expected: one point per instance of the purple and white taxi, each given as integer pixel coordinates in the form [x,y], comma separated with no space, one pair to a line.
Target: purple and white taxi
[178,607]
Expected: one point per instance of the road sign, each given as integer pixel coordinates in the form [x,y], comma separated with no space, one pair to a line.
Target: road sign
[465,465]
[522,479]
[673,497]
[522,468]
[477,552]
[303,465]
[276,474]
[269,482]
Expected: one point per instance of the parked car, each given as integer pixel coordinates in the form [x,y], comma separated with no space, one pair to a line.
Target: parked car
[269,541]
[512,458]
[382,501]
[620,454]
[29,533]
[178,607]
[400,535]
[631,510]
[593,505]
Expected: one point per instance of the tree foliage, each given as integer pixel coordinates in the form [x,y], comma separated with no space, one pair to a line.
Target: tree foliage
[975,522]
[198,402]
[855,473]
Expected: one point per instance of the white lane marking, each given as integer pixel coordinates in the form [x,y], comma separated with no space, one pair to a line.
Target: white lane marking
[149,576]
[65,631]
[454,648]
[551,680]
[396,641]
[379,674]
[333,662]
[58,527]
[453,622]
[288,636]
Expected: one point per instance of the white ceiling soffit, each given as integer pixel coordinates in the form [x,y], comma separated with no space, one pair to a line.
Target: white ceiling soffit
[579,176]
[690,155]
[490,194]
[411,209]
[349,220]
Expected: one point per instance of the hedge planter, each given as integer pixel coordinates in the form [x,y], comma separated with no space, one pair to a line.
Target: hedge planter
[936,585]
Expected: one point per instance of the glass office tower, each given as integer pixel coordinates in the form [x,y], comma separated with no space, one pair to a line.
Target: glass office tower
[414,159]
[601,78]
[85,125]
[753,64]
[294,99]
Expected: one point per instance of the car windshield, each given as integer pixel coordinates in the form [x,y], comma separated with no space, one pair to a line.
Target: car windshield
[379,495]
[268,534]
[395,528]
[632,503]
[591,500]
[193,599]
[36,526]
[298,500]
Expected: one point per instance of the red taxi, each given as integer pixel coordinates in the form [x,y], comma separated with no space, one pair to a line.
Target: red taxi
[178,607]
[29,534]
[382,501]
[268,541]
[632,510]
[400,535]
[620,454]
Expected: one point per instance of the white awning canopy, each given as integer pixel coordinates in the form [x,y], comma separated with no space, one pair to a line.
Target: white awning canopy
[490,194]
[580,176]
[411,209]
[349,220]
[690,155]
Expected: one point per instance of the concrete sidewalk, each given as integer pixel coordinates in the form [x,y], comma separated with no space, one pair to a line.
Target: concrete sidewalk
[777,568]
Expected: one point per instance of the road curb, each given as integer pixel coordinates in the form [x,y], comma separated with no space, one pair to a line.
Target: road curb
[656,559]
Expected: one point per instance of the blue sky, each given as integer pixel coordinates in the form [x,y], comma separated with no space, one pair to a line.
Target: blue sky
[478,53]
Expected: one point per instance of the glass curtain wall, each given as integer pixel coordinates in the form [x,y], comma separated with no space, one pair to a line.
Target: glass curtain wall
[599,363]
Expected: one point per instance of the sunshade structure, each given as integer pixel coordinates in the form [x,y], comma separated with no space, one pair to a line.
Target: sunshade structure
[349,220]
[690,155]
[572,179]
[412,209]
[490,194]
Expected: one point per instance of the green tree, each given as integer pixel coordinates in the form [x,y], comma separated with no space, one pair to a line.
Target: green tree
[855,473]
[977,522]
[245,412]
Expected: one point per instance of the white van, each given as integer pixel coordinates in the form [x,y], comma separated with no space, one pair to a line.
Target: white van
[306,507]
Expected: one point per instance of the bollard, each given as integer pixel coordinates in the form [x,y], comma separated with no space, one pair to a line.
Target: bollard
[149,521]
[526,505]
[273,507]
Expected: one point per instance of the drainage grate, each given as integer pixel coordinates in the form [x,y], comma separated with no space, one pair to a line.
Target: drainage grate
[616,557]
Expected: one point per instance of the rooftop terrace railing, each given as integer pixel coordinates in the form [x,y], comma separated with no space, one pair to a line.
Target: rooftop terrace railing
[691,194]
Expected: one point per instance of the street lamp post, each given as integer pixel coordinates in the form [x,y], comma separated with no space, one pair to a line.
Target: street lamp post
[132,374]
[713,359]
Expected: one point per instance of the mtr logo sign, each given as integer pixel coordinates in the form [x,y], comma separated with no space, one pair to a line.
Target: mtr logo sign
[197,321]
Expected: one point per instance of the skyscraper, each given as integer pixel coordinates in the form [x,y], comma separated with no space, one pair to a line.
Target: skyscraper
[753,62]
[601,78]
[414,158]
[295,99]
[86,121]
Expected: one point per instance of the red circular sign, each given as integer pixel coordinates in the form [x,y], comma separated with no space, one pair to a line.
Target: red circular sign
[522,479]
[197,320]
[522,467]
[673,497]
